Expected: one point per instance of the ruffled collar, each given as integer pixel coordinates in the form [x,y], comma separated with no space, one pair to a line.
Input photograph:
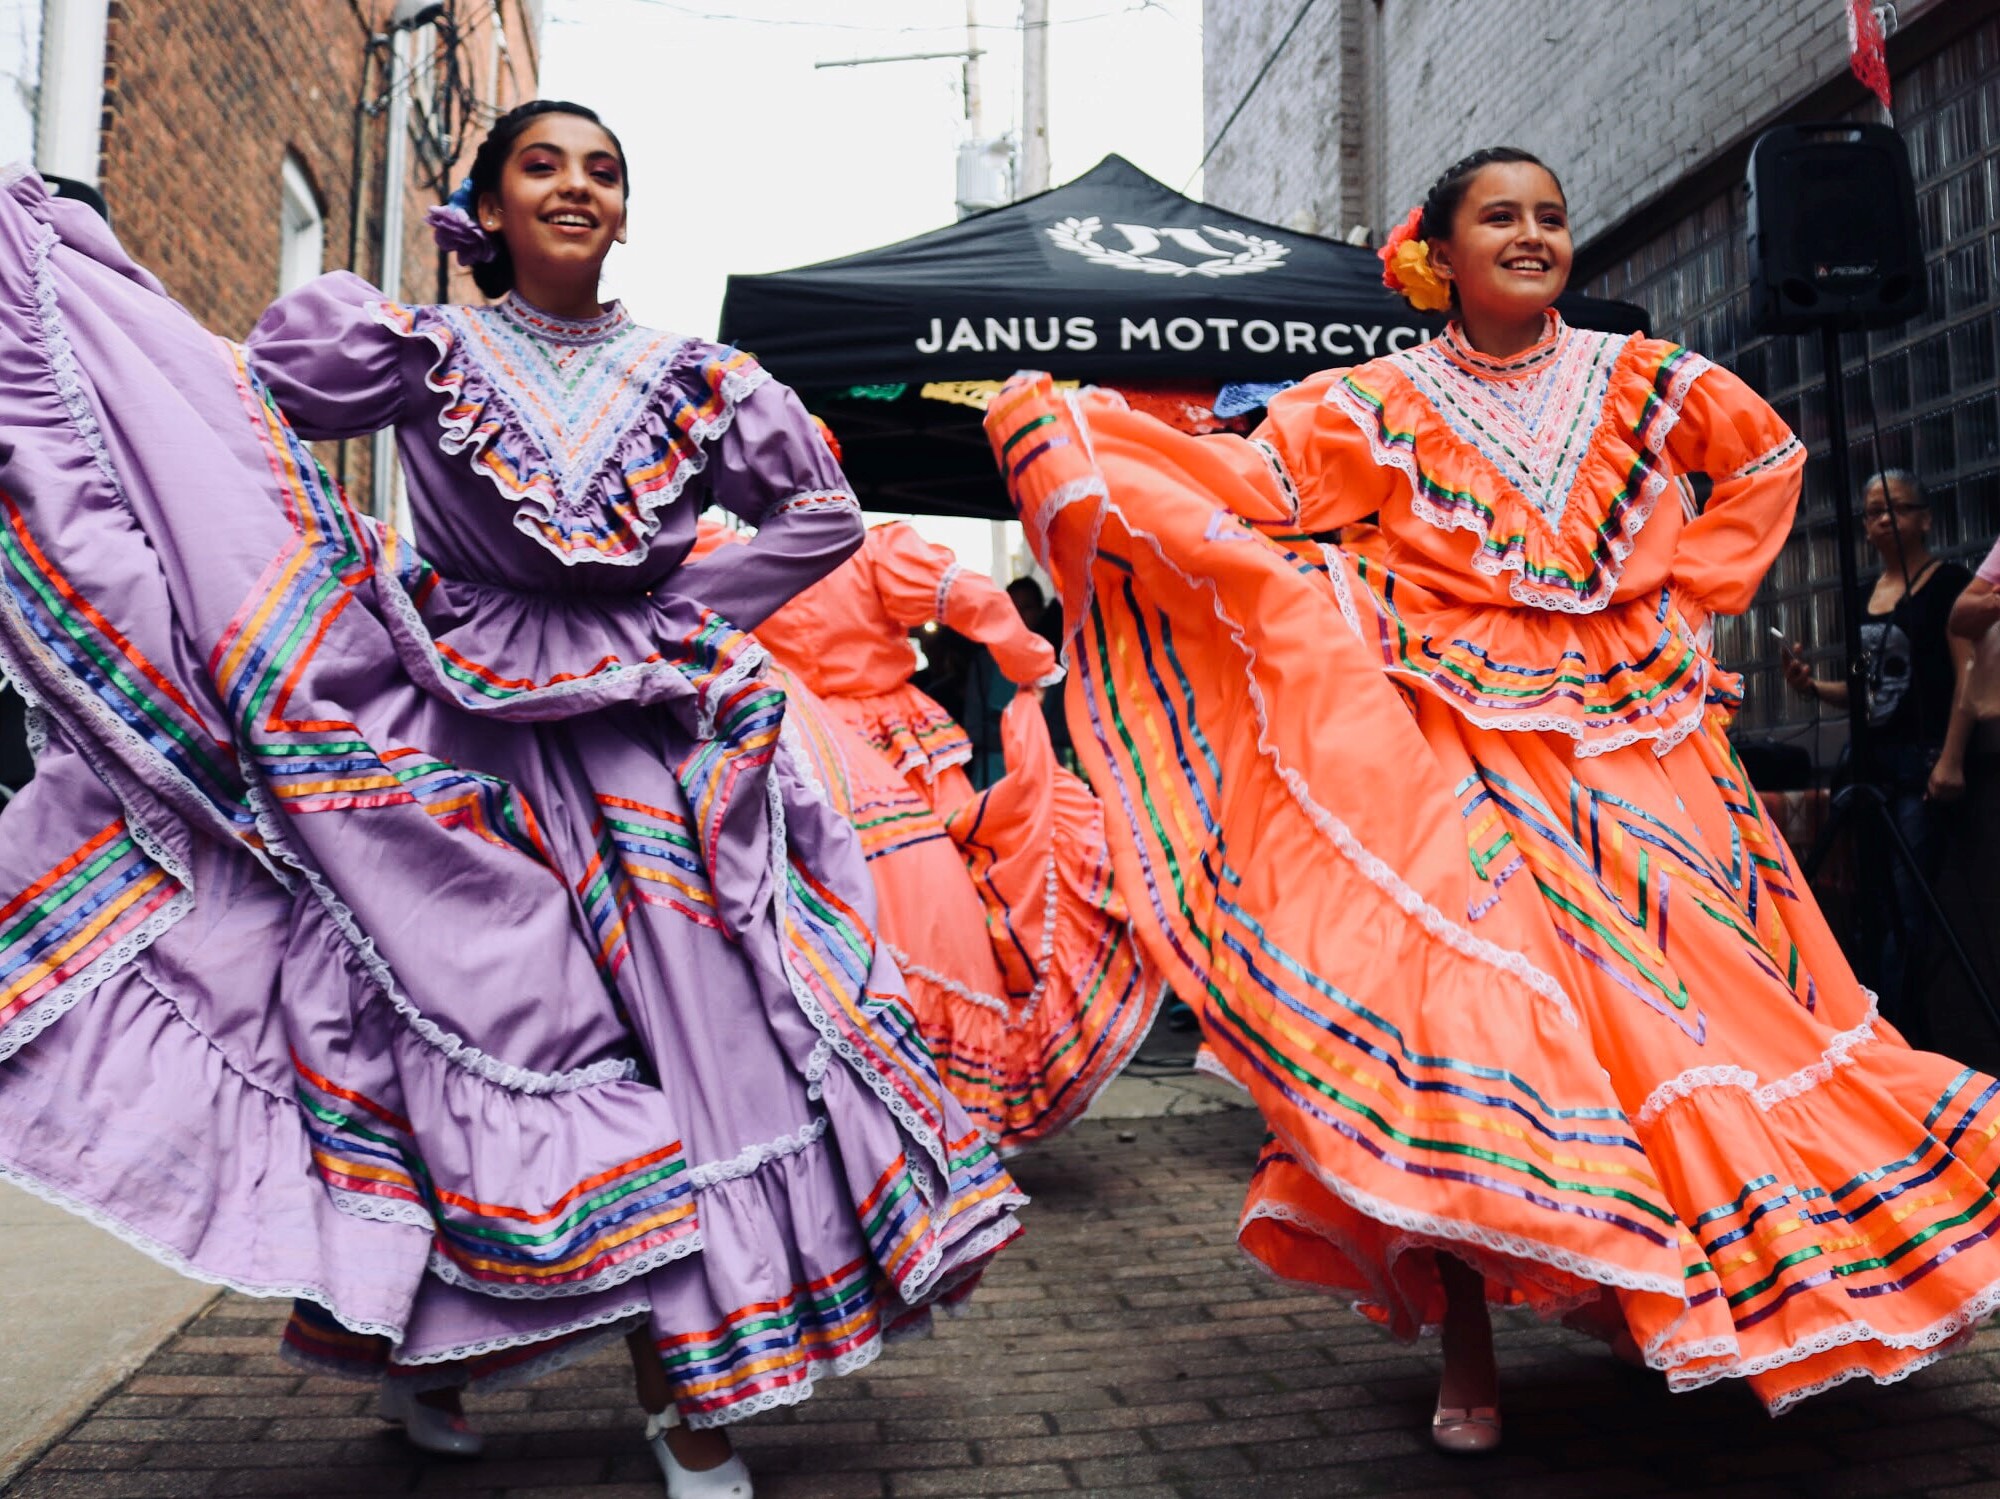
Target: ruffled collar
[1454,345]
[577,332]
[1504,451]
[590,427]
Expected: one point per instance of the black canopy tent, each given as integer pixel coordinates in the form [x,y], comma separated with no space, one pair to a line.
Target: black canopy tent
[1113,278]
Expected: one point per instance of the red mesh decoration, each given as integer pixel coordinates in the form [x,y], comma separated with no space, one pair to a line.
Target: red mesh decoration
[1865,48]
[1188,409]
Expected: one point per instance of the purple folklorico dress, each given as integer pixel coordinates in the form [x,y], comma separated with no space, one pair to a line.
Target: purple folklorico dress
[453,941]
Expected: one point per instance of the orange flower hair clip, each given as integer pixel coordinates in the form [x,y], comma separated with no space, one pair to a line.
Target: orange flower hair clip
[1407,268]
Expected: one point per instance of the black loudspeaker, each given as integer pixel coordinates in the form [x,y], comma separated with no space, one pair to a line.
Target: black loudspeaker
[1833,229]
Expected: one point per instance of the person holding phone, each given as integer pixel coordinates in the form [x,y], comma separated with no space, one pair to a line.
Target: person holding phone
[1919,719]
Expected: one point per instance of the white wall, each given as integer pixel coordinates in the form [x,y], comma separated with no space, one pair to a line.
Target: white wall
[20,69]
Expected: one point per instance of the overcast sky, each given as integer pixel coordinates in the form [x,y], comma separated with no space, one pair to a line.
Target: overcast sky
[745,157]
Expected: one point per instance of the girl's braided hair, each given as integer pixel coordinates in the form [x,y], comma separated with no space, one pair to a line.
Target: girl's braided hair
[1447,194]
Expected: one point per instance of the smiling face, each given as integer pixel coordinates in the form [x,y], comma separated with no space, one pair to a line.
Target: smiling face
[1509,253]
[561,202]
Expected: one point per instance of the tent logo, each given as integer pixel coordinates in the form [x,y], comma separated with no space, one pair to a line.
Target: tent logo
[1218,252]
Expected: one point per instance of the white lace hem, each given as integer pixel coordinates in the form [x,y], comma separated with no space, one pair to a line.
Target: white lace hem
[1839,1053]
[448,1271]
[798,1394]
[174,1260]
[616,1319]
[1444,1232]
[813,499]
[754,1157]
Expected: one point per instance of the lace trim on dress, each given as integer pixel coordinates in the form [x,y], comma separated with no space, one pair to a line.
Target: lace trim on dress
[949,577]
[1839,1053]
[174,1260]
[815,499]
[1930,1343]
[442,1266]
[396,599]
[816,1369]
[67,377]
[1274,460]
[1536,423]
[1664,735]
[918,1129]
[1372,867]
[618,1319]
[753,1157]
[478,421]
[1771,459]
[1447,1232]
[908,964]
[1620,541]
[454,1048]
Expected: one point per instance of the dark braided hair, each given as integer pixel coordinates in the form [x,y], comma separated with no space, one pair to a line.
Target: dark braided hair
[495,277]
[1447,194]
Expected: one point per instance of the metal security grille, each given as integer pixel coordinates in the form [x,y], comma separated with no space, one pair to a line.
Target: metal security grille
[1931,387]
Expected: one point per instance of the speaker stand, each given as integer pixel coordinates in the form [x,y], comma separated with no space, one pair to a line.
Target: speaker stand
[1861,801]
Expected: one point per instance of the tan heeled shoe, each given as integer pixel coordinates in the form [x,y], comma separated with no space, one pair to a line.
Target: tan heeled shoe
[1467,1432]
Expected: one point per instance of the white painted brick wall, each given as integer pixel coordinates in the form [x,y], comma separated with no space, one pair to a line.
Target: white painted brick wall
[1620,96]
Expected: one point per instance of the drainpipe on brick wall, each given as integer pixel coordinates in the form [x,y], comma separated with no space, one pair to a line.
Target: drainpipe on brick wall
[395,190]
[69,130]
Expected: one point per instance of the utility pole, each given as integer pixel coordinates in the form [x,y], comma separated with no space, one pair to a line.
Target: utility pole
[975,114]
[1031,176]
[385,469]
[1034,97]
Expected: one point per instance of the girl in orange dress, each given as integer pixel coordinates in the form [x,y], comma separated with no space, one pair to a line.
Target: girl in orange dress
[1435,823]
[1025,979]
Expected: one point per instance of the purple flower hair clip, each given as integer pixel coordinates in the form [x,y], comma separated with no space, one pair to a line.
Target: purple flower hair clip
[457,232]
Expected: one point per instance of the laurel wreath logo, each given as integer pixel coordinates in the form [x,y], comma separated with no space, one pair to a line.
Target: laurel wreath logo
[1257,254]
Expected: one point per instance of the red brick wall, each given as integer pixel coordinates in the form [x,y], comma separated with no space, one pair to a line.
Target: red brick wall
[203,98]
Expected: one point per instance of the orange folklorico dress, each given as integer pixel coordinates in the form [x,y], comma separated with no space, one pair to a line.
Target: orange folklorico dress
[1024,975]
[1437,828]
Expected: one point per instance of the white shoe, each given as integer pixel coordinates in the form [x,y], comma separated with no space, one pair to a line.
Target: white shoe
[425,1426]
[729,1480]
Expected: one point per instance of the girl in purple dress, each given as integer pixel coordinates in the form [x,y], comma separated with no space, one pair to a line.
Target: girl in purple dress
[451,941]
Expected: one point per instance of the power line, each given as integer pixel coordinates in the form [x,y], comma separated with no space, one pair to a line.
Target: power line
[696,12]
[1249,93]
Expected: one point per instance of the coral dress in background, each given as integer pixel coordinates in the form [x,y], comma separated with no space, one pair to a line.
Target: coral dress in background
[848,638]
[1022,970]
[1439,832]
[449,941]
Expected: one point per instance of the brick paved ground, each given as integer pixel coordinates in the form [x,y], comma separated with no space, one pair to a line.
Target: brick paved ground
[1124,1350]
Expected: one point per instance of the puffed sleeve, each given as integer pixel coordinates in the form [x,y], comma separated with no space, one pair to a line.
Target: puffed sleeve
[1323,470]
[918,581]
[335,370]
[773,468]
[1727,431]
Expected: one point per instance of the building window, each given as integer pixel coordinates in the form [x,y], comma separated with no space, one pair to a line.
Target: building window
[1931,387]
[301,229]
